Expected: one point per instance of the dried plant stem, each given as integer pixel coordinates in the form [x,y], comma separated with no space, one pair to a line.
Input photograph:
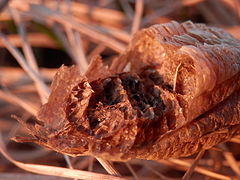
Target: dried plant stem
[161,12]
[179,164]
[43,89]
[41,13]
[28,155]
[127,8]
[77,9]
[235,7]
[218,8]
[209,15]
[27,176]
[137,16]
[116,33]
[32,70]
[217,159]
[97,13]
[110,42]
[11,98]
[189,172]
[76,46]
[90,163]
[230,159]
[82,61]
[158,173]
[55,171]
[208,162]
[35,39]
[64,41]
[67,159]
[26,47]
[108,167]
[168,9]
[84,163]
[8,109]
[96,51]
[12,132]
[132,171]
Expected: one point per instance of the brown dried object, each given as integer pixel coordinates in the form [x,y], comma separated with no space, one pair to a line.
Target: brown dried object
[181,95]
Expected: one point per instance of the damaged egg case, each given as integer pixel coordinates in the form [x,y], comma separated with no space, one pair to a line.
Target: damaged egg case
[181,95]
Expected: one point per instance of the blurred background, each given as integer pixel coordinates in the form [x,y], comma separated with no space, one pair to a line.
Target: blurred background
[38,36]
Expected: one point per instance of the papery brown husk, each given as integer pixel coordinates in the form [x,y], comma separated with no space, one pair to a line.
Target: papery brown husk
[181,95]
[208,58]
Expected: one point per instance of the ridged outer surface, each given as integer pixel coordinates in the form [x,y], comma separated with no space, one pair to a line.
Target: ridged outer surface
[180,95]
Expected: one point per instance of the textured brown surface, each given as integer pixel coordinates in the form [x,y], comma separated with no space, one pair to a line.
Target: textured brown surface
[181,95]
[208,60]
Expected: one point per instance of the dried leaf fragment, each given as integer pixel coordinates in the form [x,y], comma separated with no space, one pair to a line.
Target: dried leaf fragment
[149,112]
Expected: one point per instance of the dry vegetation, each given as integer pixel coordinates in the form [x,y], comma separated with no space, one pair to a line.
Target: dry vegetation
[37,36]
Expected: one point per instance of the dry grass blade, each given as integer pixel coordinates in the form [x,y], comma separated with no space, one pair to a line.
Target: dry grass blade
[158,173]
[161,12]
[7,109]
[116,33]
[76,46]
[127,8]
[98,50]
[41,87]
[209,14]
[139,4]
[55,171]
[132,171]
[28,155]
[13,132]
[69,163]
[63,39]
[28,176]
[67,159]
[11,98]
[35,76]
[230,159]
[235,7]
[97,13]
[16,127]
[40,12]
[26,47]
[90,163]
[108,167]
[189,172]
[82,61]
[179,164]
[84,163]
[34,39]
[227,17]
